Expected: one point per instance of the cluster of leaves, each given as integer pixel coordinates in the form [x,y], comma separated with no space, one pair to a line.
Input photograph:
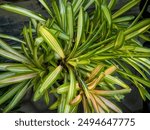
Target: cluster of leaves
[80,55]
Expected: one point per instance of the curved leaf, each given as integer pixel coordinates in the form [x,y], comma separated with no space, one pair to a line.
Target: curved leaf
[117,81]
[11,38]
[22,11]
[125,8]
[11,92]
[51,41]
[17,97]
[71,91]
[47,82]
[17,78]
[44,3]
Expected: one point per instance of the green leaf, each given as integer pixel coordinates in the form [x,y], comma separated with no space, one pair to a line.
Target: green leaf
[34,23]
[51,41]
[87,23]
[11,92]
[138,26]
[77,6]
[11,38]
[136,49]
[8,48]
[12,56]
[140,14]
[71,91]
[70,22]
[144,93]
[125,8]
[51,77]
[112,3]
[62,8]
[140,66]
[135,67]
[56,11]
[123,19]
[87,44]
[104,49]
[96,58]
[63,88]
[45,5]
[80,29]
[47,82]
[77,63]
[88,4]
[25,51]
[145,60]
[46,97]
[54,105]
[22,11]
[17,78]
[3,66]
[136,78]
[20,94]
[120,40]
[137,33]
[30,31]
[60,34]
[19,69]
[62,103]
[147,94]
[27,39]
[74,109]
[111,92]
[4,75]
[111,79]
[144,37]
[107,14]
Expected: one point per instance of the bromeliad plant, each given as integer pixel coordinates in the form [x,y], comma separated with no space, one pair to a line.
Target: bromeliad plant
[83,53]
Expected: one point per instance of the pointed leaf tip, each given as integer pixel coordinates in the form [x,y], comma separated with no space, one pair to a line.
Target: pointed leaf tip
[51,41]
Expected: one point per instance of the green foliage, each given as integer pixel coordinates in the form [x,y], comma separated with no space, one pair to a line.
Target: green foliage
[81,56]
